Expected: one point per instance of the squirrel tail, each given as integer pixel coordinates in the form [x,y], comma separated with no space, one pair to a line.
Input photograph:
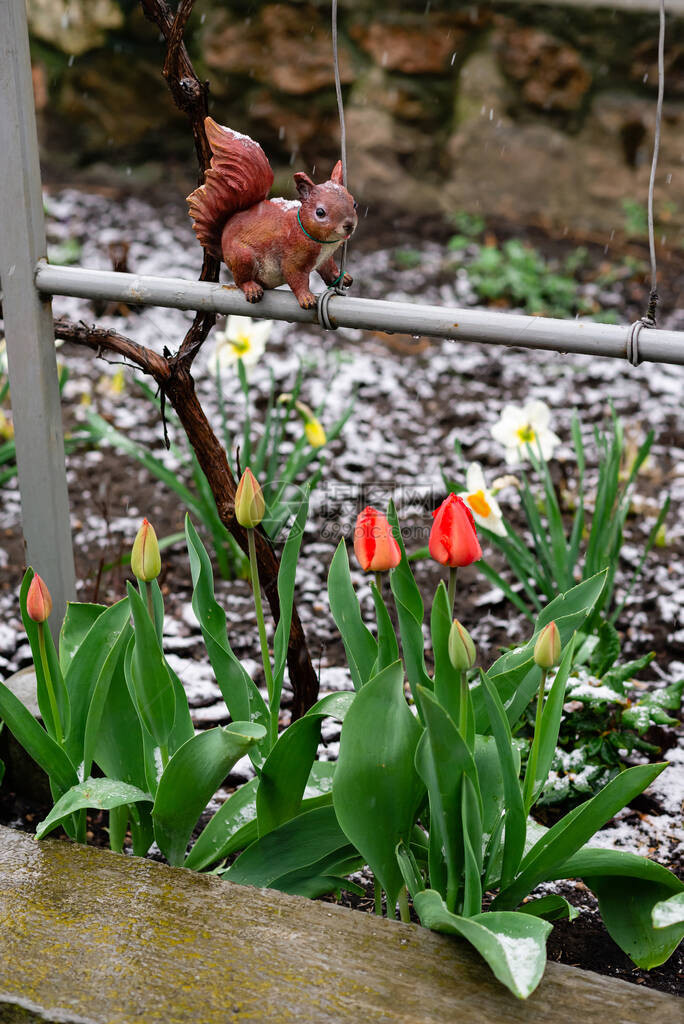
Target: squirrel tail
[239,177]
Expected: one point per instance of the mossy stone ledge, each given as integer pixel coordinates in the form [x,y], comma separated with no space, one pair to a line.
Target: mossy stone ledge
[95,937]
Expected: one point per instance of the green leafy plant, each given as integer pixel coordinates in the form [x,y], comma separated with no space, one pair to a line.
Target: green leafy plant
[435,801]
[427,792]
[560,548]
[604,721]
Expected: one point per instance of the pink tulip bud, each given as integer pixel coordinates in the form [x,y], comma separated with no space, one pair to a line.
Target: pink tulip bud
[38,600]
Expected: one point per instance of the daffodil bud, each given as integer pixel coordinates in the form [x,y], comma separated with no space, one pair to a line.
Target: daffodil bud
[38,600]
[547,649]
[461,647]
[145,557]
[315,434]
[250,506]
[313,428]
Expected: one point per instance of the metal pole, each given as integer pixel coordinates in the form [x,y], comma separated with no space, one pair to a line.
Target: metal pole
[511,329]
[28,322]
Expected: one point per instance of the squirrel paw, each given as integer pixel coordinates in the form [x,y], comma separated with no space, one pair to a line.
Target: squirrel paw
[307,300]
[347,281]
[253,292]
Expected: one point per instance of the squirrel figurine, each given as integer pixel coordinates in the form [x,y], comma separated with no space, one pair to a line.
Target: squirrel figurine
[269,242]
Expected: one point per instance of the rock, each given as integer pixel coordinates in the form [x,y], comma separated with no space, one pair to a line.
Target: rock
[294,127]
[286,47]
[549,73]
[73,26]
[419,47]
[116,104]
[376,162]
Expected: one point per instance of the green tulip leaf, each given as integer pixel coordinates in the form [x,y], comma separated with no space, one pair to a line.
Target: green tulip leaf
[409,605]
[552,908]
[376,789]
[571,833]
[191,778]
[304,844]
[286,583]
[45,751]
[147,674]
[240,693]
[87,665]
[388,648]
[103,794]
[669,911]
[79,618]
[359,643]
[513,944]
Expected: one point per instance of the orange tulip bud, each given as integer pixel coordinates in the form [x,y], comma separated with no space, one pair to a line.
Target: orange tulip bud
[374,544]
[453,540]
[38,600]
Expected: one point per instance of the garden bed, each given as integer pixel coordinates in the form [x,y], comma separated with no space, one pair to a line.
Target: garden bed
[415,398]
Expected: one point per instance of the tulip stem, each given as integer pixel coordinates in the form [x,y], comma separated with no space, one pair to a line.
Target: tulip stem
[536,739]
[256,589]
[463,705]
[452,587]
[402,899]
[378,582]
[378,896]
[49,684]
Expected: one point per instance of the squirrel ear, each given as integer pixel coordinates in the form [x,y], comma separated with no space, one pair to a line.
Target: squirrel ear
[337,175]
[304,184]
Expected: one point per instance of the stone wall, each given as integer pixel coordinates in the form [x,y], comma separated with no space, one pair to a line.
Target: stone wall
[521,110]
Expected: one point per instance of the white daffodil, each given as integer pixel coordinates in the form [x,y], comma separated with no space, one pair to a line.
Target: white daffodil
[242,338]
[523,425]
[481,501]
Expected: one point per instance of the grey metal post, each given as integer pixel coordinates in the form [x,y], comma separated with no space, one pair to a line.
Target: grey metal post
[28,321]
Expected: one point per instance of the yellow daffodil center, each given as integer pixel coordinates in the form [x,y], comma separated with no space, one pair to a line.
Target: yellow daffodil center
[240,345]
[478,503]
[526,434]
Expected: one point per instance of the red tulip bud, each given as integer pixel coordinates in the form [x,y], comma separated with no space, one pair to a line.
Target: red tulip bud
[374,544]
[453,540]
[38,600]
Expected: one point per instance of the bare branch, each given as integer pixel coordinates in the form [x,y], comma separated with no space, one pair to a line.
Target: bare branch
[178,387]
[191,96]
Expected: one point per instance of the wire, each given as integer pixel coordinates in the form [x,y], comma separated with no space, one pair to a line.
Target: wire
[653,298]
[343,127]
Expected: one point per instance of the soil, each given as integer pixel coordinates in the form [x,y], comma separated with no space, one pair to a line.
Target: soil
[415,398]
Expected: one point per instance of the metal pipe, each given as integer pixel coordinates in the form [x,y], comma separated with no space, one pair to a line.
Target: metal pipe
[511,329]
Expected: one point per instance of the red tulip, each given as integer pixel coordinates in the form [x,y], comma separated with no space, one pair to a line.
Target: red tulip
[374,545]
[38,600]
[453,540]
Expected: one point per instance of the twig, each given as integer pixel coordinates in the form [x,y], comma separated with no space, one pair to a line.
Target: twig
[191,96]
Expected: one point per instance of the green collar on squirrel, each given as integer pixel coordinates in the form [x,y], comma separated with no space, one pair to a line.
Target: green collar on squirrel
[320,241]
